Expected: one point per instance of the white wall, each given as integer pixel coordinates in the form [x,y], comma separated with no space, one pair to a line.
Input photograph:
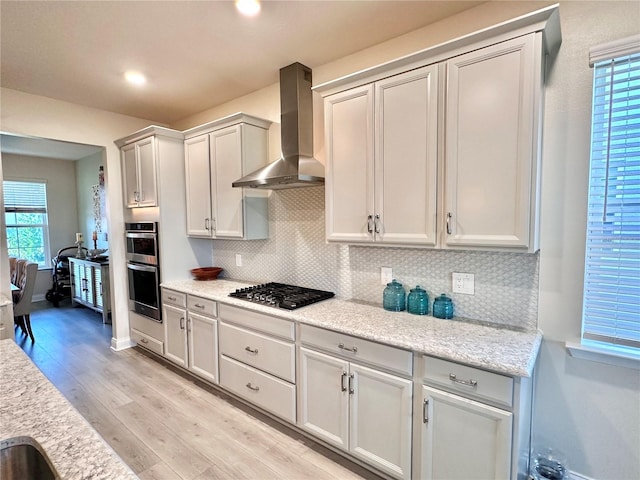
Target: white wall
[37,116]
[87,170]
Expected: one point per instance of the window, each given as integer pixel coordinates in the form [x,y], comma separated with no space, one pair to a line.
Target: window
[25,205]
[611,307]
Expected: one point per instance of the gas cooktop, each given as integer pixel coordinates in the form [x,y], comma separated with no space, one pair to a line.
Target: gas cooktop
[280,295]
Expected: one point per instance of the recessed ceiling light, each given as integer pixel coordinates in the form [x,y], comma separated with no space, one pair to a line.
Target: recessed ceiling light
[248,7]
[135,78]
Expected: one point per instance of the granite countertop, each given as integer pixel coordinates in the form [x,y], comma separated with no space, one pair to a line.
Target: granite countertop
[497,349]
[31,406]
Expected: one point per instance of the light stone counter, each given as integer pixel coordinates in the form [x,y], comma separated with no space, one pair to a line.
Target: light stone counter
[31,406]
[498,349]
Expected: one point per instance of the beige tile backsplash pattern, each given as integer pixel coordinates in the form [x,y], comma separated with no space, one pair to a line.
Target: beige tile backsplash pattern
[506,284]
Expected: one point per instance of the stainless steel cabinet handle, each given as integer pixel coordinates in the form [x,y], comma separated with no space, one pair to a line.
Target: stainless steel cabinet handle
[425,411]
[181,323]
[206,224]
[144,340]
[449,223]
[467,383]
[173,299]
[189,322]
[251,350]
[351,390]
[370,223]
[251,387]
[347,349]
[342,379]
[376,223]
[197,305]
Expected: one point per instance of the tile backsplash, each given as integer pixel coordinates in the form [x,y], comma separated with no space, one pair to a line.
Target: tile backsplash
[506,284]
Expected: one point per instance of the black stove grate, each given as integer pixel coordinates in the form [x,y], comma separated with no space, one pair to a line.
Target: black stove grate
[281,295]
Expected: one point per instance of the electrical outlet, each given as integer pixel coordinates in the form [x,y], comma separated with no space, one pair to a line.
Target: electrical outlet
[386,275]
[463,283]
[238,260]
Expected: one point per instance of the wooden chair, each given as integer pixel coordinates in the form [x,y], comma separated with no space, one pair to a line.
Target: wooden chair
[26,281]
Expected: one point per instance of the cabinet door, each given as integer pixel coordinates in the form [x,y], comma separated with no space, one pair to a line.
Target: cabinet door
[129,175]
[197,173]
[490,145]
[381,420]
[406,157]
[349,147]
[148,193]
[324,397]
[203,346]
[226,157]
[175,333]
[463,439]
[97,284]
[88,287]
[76,279]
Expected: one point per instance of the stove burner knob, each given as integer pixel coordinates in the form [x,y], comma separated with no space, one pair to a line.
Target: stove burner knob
[249,296]
[262,297]
[269,299]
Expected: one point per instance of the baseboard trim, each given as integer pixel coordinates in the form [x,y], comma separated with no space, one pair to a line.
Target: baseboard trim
[121,344]
[578,476]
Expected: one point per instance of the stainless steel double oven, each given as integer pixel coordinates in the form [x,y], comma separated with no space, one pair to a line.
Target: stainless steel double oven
[143,268]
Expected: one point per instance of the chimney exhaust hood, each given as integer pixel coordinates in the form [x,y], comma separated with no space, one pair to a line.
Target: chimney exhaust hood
[297,167]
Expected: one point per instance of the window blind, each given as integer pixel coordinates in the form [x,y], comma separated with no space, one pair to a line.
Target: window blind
[24,197]
[611,308]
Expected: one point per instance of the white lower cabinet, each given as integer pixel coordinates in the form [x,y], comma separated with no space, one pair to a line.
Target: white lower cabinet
[257,360]
[463,439]
[361,410]
[191,338]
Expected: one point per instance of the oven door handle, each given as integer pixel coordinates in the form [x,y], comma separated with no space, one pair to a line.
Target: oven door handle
[142,268]
[141,235]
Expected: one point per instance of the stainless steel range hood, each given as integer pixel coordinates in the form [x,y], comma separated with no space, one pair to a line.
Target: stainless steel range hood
[297,167]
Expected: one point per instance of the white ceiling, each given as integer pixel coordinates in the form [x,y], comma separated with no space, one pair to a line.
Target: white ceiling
[196,54]
[45,148]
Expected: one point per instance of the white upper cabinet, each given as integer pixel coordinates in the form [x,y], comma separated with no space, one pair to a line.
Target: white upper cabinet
[442,148]
[491,144]
[139,173]
[382,159]
[217,154]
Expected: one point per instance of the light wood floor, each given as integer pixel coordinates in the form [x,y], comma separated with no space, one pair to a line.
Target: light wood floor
[164,424]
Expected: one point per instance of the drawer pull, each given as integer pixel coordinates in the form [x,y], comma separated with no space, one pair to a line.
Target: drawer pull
[250,350]
[351,390]
[347,349]
[425,411]
[144,340]
[251,387]
[173,299]
[342,378]
[181,323]
[467,383]
[197,305]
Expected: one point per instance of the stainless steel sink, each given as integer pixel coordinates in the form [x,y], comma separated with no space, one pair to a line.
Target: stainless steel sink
[23,458]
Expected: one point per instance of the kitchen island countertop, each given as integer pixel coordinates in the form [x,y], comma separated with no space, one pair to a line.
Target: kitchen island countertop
[31,406]
[489,347]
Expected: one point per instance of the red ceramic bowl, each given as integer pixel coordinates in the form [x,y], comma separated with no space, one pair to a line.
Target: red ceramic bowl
[206,273]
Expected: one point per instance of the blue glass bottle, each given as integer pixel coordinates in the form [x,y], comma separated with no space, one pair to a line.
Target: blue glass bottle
[394,297]
[443,307]
[418,301]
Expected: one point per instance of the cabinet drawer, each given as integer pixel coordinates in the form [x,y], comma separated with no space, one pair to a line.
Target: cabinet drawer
[203,306]
[355,348]
[269,354]
[150,343]
[171,297]
[261,389]
[258,321]
[468,380]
